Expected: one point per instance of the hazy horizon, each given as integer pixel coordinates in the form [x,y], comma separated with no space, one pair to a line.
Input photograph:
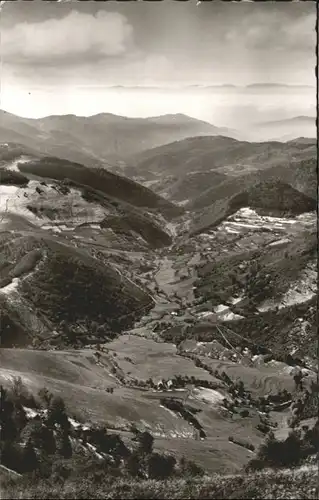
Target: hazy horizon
[232,110]
[143,59]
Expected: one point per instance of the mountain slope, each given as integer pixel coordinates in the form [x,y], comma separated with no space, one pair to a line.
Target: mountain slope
[64,233]
[25,160]
[185,170]
[182,189]
[297,167]
[99,138]
[101,180]
[71,295]
[204,153]
[286,130]
[270,197]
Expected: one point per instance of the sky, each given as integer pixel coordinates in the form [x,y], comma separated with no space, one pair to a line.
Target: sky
[59,58]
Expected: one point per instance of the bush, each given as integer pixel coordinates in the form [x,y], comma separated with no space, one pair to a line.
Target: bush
[45,397]
[244,413]
[160,466]
[189,468]
[256,464]
[145,442]
[20,393]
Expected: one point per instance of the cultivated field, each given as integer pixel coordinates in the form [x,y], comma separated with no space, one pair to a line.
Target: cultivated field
[150,359]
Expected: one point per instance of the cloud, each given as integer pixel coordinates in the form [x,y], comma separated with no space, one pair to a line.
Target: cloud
[105,34]
[274,30]
[301,33]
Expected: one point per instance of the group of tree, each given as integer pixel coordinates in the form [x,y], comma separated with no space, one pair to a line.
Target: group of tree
[40,443]
[25,442]
[298,446]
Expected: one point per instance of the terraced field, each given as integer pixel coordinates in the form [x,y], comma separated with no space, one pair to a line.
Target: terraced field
[269,378]
[144,358]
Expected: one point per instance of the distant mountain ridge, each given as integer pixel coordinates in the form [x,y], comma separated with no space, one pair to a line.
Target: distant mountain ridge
[286,129]
[295,119]
[275,85]
[102,138]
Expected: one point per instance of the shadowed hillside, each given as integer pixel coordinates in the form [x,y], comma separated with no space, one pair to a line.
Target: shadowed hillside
[268,198]
[101,180]
[185,170]
[67,291]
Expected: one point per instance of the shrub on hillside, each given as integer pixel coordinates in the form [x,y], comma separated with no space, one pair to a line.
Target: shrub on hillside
[188,468]
[160,466]
[45,397]
[13,178]
[288,453]
[40,435]
[20,393]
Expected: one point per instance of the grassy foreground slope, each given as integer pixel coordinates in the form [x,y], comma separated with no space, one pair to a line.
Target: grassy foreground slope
[300,483]
[108,394]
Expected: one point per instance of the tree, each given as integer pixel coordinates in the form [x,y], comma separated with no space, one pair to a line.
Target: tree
[57,414]
[291,450]
[29,460]
[145,442]
[20,393]
[63,444]
[41,436]
[45,396]
[114,445]
[133,464]
[160,466]
[97,355]
[10,455]
[298,380]
[17,388]
[19,417]
[269,451]
[9,430]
